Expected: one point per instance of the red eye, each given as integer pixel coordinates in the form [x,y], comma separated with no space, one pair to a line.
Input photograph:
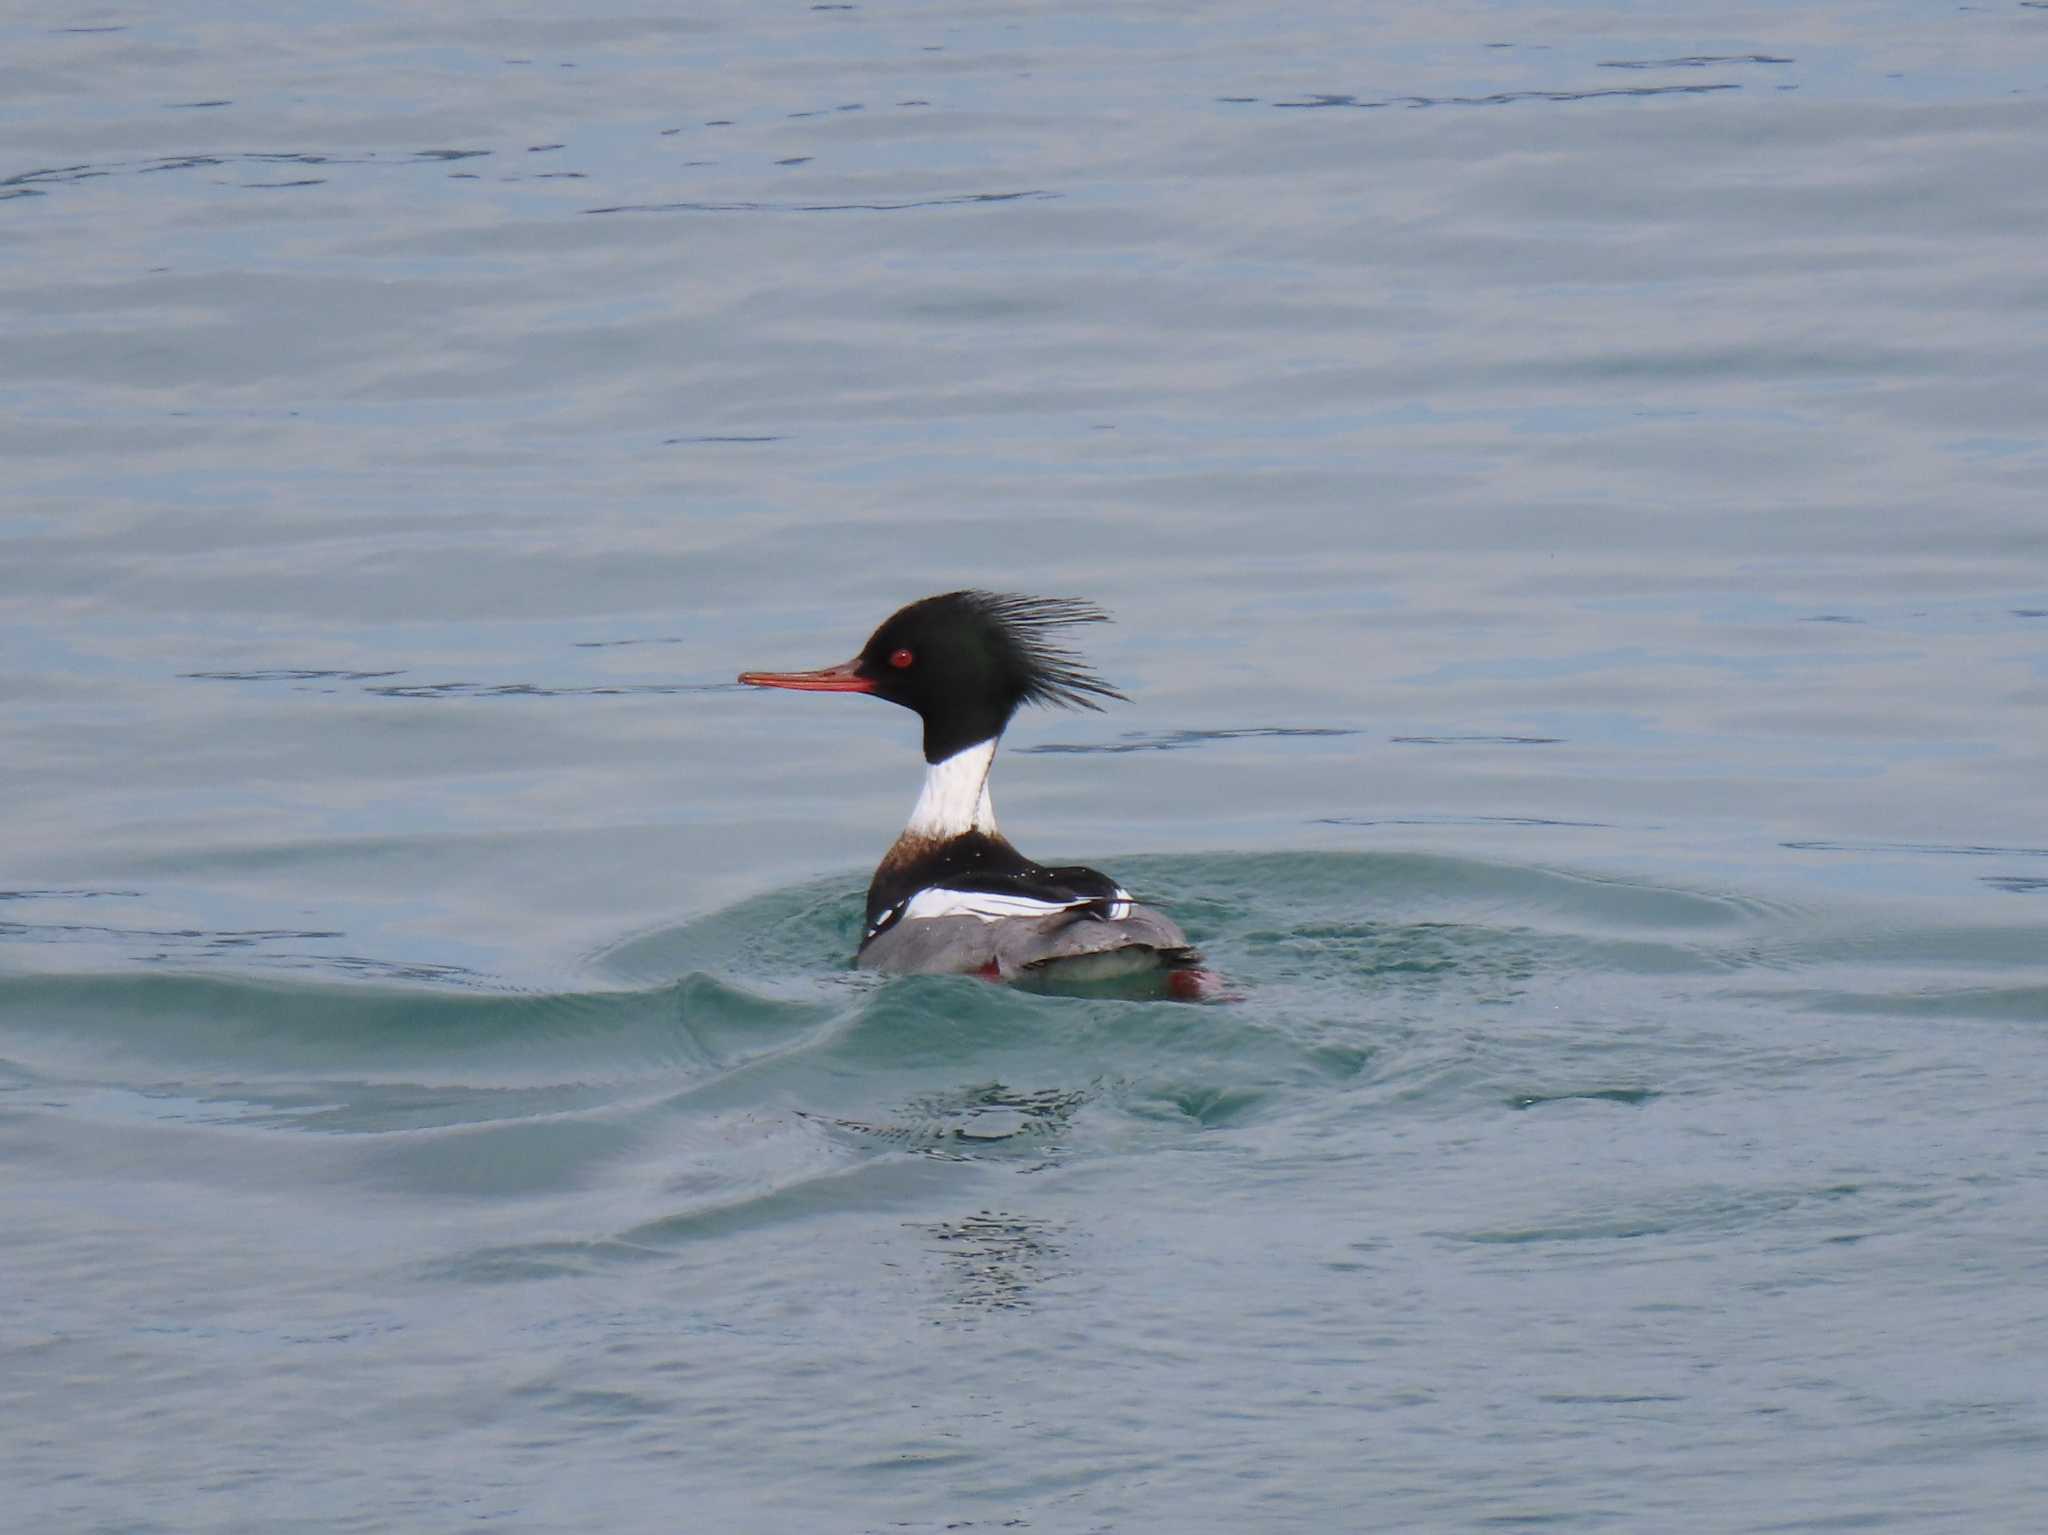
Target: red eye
[900,659]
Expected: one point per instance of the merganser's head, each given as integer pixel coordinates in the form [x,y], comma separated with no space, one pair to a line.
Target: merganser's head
[965,661]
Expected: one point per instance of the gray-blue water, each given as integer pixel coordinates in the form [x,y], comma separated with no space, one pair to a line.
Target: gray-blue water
[1571,483]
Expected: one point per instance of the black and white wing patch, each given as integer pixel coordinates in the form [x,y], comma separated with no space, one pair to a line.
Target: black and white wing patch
[1000,897]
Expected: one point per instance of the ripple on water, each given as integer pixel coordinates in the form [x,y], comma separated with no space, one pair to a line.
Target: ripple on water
[751,1078]
[735,1005]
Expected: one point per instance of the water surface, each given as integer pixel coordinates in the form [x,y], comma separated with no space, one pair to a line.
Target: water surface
[1569,482]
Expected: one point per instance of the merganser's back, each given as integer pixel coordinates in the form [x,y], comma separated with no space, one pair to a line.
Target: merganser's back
[952,896]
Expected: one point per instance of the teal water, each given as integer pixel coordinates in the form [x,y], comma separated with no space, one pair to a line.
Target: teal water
[1569,482]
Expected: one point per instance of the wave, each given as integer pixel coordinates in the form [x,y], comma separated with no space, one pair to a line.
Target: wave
[748,1075]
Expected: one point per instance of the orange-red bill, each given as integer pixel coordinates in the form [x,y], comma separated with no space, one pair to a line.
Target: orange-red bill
[843,678]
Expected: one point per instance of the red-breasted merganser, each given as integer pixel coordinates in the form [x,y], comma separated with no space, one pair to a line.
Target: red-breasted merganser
[952,896]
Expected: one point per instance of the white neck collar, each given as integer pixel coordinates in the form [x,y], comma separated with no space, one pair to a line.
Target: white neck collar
[955,796]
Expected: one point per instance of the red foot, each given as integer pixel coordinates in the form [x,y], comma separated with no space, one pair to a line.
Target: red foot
[1199,986]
